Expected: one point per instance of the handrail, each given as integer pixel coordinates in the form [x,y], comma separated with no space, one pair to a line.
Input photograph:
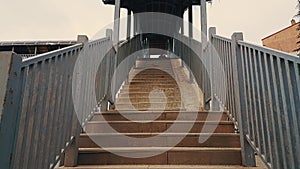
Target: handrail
[265,99]
[98,41]
[43,57]
[280,54]
[45,117]
[221,38]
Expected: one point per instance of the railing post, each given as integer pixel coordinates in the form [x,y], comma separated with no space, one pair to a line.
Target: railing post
[71,152]
[109,34]
[212,31]
[248,157]
[10,70]
[214,103]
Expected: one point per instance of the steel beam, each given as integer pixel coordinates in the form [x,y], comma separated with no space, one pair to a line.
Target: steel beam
[117,21]
[203,23]
[128,23]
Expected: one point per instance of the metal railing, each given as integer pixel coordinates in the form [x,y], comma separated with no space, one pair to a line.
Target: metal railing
[44,120]
[190,51]
[263,98]
[39,127]
[223,47]
[128,53]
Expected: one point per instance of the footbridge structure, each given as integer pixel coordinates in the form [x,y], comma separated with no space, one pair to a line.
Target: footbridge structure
[156,99]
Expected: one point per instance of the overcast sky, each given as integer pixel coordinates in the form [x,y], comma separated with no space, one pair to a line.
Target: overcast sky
[65,19]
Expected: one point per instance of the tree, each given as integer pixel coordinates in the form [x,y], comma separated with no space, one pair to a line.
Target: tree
[298,16]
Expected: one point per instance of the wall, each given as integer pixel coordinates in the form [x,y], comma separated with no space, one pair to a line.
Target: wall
[284,40]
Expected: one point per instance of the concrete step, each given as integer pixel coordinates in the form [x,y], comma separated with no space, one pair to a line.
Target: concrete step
[147,90]
[153,99]
[151,86]
[147,94]
[145,70]
[150,72]
[190,139]
[151,75]
[147,105]
[175,156]
[165,115]
[152,80]
[164,167]
[153,83]
[127,108]
[156,126]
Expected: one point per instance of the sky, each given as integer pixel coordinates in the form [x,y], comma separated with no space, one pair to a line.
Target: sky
[65,19]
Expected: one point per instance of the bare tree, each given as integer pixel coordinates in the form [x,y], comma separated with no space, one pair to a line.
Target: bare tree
[298,16]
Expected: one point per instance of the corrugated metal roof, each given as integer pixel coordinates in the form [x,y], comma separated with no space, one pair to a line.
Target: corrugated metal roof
[36,43]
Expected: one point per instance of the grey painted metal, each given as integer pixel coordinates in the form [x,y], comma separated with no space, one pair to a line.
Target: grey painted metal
[192,60]
[190,21]
[9,95]
[128,23]
[190,26]
[248,158]
[45,120]
[264,100]
[203,23]
[117,21]
[126,49]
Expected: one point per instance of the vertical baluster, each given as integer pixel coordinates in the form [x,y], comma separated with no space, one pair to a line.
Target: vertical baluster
[269,109]
[23,118]
[291,93]
[34,78]
[285,110]
[48,124]
[258,102]
[264,111]
[39,114]
[276,110]
[248,158]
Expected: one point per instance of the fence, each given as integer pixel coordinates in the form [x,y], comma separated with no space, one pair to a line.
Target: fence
[39,125]
[126,57]
[190,51]
[263,98]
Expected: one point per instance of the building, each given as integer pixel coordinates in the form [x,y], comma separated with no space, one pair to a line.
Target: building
[285,40]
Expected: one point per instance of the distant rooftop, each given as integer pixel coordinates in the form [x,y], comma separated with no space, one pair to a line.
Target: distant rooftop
[32,48]
[18,43]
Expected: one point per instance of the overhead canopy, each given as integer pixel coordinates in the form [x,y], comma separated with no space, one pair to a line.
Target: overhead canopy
[175,7]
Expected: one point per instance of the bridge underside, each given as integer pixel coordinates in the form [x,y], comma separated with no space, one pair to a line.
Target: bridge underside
[176,8]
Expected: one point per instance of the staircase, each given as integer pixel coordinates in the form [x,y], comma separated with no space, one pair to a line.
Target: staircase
[152,101]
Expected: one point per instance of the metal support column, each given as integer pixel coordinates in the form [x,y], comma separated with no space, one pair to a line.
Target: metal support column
[203,23]
[116,40]
[191,21]
[190,40]
[35,51]
[181,46]
[117,21]
[128,24]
